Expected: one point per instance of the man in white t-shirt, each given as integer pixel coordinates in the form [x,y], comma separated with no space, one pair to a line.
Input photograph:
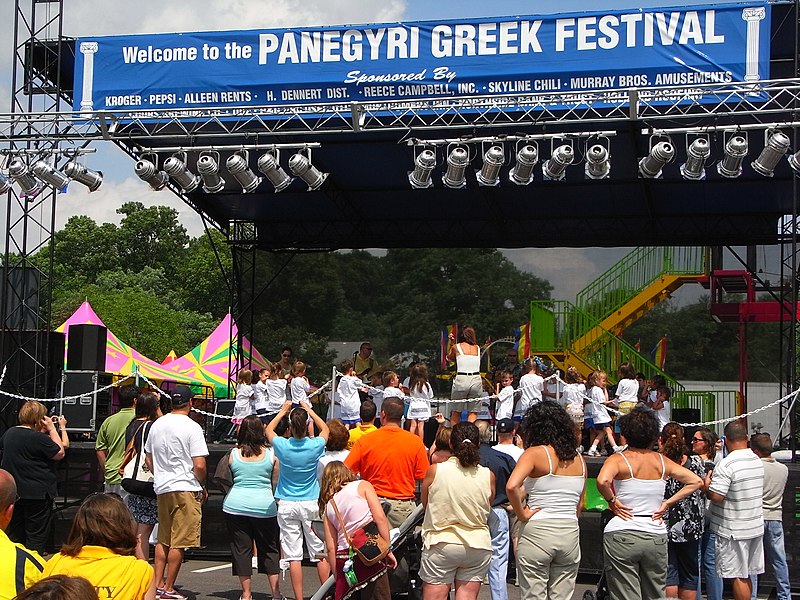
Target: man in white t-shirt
[176,454]
[736,492]
[505,439]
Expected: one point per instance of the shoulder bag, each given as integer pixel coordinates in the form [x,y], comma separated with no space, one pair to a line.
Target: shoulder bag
[367,543]
[136,477]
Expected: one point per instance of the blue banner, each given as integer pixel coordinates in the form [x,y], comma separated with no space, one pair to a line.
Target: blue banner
[568,53]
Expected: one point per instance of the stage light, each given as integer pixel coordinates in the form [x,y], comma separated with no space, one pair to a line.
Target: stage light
[268,164]
[5,184]
[555,167]
[794,162]
[598,163]
[696,155]
[735,151]
[424,163]
[300,165]
[175,167]
[20,175]
[50,175]
[147,171]
[493,160]
[237,165]
[208,167]
[455,176]
[91,179]
[660,154]
[774,149]
[522,172]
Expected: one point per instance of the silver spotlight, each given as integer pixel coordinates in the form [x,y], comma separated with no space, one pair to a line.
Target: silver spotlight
[175,167]
[147,171]
[424,163]
[50,175]
[493,160]
[455,176]
[522,172]
[598,163]
[300,165]
[555,167]
[268,164]
[208,167]
[237,165]
[735,151]
[774,149]
[5,184]
[19,174]
[91,179]
[794,162]
[660,154]
[696,155]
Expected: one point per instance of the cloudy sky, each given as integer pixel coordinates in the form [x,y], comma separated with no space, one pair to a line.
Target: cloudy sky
[566,268]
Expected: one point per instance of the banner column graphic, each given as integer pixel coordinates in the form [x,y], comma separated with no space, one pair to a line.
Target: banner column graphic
[88,49]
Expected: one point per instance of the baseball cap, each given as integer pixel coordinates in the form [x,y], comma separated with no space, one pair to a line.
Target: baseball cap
[181,395]
[505,426]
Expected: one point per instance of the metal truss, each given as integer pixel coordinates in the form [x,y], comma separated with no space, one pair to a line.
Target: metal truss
[722,103]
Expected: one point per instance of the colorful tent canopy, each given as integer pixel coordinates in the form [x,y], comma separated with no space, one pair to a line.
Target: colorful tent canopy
[211,359]
[169,357]
[121,358]
[207,364]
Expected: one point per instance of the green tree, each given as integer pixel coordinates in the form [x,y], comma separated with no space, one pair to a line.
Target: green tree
[151,237]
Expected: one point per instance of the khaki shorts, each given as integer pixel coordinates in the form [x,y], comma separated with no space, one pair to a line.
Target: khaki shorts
[179,519]
[738,559]
[445,563]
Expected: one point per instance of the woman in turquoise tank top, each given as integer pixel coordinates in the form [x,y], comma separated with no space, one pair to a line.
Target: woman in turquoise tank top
[250,509]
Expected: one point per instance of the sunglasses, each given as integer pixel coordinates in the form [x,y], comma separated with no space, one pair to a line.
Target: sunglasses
[697,440]
[286,355]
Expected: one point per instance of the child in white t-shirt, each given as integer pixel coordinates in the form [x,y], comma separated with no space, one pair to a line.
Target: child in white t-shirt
[505,397]
[419,409]
[298,388]
[627,394]
[261,395]
[245,396]
[347,391]
[276,388]
[531,387]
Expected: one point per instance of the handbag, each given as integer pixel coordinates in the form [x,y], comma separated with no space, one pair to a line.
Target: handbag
[136,477]
[367,542]
[223,478]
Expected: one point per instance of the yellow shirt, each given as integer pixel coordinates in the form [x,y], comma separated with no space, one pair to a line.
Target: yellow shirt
[114,576]
[21,567]
[358,432]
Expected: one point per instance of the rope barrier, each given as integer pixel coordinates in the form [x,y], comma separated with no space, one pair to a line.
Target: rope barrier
[65,398]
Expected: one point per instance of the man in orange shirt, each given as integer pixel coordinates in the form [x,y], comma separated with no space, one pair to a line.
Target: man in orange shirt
[392,460]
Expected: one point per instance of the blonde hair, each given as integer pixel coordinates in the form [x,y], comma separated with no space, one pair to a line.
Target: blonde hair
[573,376]
[335,476]
[595,376]
[31,413]
[245,376]
[298,368]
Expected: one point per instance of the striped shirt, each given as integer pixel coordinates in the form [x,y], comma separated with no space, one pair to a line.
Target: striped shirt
[740,478]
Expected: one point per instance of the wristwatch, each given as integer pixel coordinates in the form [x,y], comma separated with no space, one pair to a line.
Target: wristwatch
[611,500]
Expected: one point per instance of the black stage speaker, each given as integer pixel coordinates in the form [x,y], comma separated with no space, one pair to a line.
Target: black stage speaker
[30,370]
[86,348]
[85,407]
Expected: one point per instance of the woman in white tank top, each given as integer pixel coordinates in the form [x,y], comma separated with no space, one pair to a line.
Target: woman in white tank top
[553,476]
[633,483]
[467,384]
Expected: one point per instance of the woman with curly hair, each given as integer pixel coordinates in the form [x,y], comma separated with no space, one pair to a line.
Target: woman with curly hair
[684,520]
[552,475]
[633,483]
[457,495]
[335,447]
[59,587]
[102,548]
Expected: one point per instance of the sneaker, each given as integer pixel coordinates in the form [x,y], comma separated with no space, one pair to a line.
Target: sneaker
[618,449]
[173,595]
[593,451]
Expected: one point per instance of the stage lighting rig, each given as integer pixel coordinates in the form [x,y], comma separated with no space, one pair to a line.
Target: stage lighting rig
[175,167]
[238,166]
[493,160]
[269,165]
[300,165]
[420,177]
[660,154]
[776,146]
[19,173]
[555,167]
[5,184]
[457,161]
[696,155]
[78,172]
[522,171]
[146,170]
[735,152]
[45,171]
[208,168]
[598,162]
[794,162]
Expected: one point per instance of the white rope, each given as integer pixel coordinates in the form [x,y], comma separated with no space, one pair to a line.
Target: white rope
[65,398]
